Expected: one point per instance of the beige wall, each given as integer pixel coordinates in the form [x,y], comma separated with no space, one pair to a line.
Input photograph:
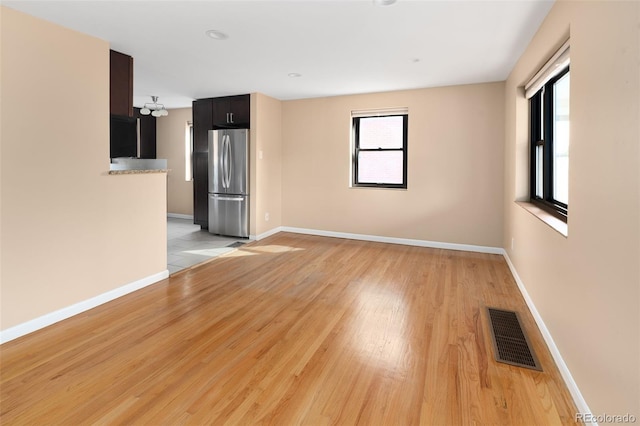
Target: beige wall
[454,167]
[268,160]
[171,145]
[586,286]
[69,231]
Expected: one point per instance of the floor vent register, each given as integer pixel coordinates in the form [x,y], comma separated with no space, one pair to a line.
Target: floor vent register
[510,343]
[236,244]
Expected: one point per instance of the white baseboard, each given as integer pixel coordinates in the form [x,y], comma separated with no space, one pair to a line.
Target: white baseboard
[267,234]
[394,240]
[64,313]
[578,399]
[180,216]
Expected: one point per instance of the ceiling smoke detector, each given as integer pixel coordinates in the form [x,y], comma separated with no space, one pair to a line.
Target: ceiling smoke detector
[383,2]
[217,35]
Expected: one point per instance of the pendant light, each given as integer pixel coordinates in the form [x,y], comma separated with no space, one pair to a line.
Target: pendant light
[155,109]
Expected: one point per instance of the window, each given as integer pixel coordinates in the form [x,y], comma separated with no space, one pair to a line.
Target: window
[549,136]
[379,150]
[188,152]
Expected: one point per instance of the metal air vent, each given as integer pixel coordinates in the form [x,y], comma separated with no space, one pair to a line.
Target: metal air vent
[236,244]
[510,343]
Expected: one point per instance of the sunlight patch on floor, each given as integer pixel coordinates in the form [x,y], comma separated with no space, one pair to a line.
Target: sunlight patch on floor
[273,249]
[378,330]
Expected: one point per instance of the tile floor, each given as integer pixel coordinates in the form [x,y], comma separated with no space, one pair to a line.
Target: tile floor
[188,245]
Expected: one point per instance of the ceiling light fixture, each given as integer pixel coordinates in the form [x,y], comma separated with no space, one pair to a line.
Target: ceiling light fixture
[155,109]
[294,75]
[216,35]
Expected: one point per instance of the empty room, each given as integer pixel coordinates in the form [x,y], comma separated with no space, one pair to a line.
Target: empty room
[312,212]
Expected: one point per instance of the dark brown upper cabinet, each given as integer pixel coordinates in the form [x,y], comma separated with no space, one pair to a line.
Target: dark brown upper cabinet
[232,112]
[202,123]
[120,84]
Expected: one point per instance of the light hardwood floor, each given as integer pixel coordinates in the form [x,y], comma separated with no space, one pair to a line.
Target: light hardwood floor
[291,330]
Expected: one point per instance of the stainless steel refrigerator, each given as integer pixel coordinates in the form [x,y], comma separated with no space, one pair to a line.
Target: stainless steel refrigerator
[229,182]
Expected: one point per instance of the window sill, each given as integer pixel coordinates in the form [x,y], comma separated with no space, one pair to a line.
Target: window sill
[546,217]
[384,188]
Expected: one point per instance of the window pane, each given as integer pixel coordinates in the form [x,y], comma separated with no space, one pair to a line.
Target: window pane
[188,153]
[380,167]
[381,132]
[561,140]
[539,170]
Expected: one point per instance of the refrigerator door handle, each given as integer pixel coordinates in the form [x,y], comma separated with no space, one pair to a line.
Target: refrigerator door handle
[225,161]
[229,198]
[229,162]
[223,157]
[223,165]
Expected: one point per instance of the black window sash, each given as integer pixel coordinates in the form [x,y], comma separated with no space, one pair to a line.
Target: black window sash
[357,150]
[541,133]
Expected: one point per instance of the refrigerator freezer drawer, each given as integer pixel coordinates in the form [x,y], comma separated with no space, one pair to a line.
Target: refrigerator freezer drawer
[229,215]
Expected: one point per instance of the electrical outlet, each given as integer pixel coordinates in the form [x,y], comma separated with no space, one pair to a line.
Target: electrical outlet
[260,154]
[266,217]
[513,243]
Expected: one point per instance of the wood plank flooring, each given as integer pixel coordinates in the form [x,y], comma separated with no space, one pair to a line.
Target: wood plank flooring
[291,330]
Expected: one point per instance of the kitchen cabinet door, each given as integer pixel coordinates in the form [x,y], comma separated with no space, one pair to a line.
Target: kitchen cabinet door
[122,135]
[240,108]
[220,113]
[231,112]
[147,129]
[120,84]
[201,189]
[202,123]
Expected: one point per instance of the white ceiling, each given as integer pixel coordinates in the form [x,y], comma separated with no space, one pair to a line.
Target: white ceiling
[339,47]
